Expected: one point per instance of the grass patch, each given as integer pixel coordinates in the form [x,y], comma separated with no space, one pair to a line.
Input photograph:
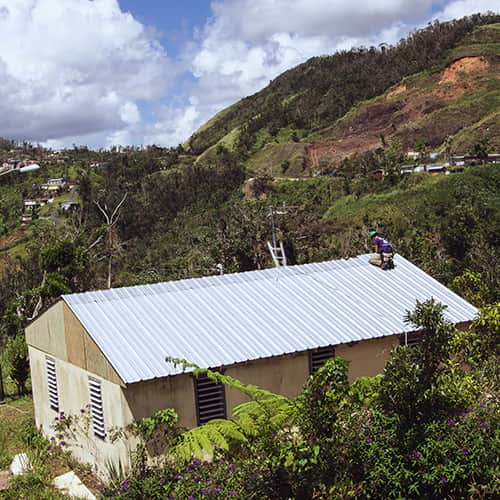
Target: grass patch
[18,249]
[15,414]
[353,206]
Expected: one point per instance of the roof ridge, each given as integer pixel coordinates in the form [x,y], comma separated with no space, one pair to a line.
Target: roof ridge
[173,286]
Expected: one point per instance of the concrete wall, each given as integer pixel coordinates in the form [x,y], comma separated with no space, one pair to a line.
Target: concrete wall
[73,395]
[281,374]
[47,332]
[145,398]
[58,333]
[368,357]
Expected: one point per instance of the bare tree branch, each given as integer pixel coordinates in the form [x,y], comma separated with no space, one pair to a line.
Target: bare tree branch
[110,222]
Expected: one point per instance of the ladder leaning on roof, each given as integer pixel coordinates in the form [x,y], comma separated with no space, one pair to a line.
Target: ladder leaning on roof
[277,251]
[278,254]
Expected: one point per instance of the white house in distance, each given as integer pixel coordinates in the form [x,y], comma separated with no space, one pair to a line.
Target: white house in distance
[271,328]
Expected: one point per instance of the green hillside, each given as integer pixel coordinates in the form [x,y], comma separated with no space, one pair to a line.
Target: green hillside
[277,130]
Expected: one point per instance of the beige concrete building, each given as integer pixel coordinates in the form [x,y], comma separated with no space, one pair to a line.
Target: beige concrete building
[104,353]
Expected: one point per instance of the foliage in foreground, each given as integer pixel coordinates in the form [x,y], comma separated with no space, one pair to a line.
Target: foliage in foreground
[429,427]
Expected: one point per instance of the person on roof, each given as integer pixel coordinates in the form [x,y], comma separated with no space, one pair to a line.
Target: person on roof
[384,252]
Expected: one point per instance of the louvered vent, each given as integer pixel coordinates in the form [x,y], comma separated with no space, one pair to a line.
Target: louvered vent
[210,400]
[411,339]
[50,365]
[97,413]
[319,357]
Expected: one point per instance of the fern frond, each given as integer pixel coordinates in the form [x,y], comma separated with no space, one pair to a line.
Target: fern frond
[202,441]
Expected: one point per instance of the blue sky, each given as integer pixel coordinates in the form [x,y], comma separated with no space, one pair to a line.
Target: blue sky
[132,72]
[175,21]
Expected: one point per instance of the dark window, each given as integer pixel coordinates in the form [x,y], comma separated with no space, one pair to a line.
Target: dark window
[410,339]
[96,410]
[210,399]
[319,357]
[50,365]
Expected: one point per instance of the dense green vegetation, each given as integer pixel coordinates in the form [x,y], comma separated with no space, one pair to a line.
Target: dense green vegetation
[428,427]
[314,95]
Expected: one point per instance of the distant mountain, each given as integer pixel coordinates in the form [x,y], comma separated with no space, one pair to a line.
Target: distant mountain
[439,86]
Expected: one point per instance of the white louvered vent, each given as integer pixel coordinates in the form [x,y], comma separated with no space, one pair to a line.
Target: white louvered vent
[96,410]
[210,400]
[319,357]
[50,366]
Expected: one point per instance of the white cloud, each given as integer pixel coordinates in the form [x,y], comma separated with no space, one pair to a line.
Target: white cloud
[78,71]
[461,8]
[174,125]
[246,43]
[73,68]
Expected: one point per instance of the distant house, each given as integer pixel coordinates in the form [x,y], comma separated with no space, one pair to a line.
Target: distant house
[437,168]
[271,328]
[30,207]
[55,184]
[432,168]
[413,155]
[69,205]
[460,160]
[407,169]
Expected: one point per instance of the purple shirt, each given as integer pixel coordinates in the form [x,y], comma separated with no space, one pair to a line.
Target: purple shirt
[382,244]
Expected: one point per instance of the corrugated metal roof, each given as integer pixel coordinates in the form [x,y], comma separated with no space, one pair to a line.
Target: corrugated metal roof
[222,320]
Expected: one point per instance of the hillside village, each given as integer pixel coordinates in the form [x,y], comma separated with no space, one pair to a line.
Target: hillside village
[206,319]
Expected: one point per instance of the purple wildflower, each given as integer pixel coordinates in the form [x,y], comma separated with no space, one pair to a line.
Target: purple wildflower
[443,479]
[178,476]
[52,438]
[484,426]
[56,418]
[466,451]
[232,467]
[369,440]
[196,479]
[451,422]
[62,443]
[374,484]
[205,463]
[203,492]
[162,480]
[439,438]
[125,484]
[82,410]
[49,447]
[196,462]
[231,493]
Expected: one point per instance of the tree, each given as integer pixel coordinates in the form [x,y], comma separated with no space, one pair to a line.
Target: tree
[111,218]
[481,149]
[16,357]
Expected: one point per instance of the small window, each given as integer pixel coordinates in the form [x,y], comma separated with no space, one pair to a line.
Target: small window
[50,366]
[410,339]
[210,399]
[96,410]
[319,357]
